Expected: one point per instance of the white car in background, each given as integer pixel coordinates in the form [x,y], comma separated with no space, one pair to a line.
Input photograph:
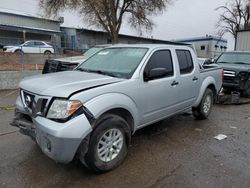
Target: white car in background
[38,47]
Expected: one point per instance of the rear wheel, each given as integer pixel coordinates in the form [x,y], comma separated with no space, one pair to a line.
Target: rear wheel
[47,52]
[108,144]
[205,107]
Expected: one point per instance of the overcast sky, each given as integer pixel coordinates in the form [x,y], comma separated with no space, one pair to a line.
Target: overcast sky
[182,19]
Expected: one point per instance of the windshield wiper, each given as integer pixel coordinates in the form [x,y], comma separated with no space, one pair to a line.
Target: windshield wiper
[97,71]
[82,70]
[224,62]
[242,63]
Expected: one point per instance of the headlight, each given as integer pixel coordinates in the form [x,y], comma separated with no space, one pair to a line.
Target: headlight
[244,75]
[62,109]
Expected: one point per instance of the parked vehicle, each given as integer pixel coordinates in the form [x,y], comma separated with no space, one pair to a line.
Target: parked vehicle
[92,112]
[31,46]
[236,67]
[69,63]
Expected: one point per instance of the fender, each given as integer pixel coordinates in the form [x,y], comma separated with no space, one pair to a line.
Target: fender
[103,103]
[208,81]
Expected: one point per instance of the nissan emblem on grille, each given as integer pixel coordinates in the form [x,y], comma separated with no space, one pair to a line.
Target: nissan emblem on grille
[28,100]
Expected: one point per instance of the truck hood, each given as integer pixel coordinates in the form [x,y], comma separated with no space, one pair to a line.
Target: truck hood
[13,46]
[235,67]
[74,59]
[63,84]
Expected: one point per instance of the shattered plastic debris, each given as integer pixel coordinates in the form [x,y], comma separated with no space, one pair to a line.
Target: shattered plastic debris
[220,137]
[198,130]
[233,127]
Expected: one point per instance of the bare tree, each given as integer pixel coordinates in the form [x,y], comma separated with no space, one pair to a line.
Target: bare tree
[110,14]
[235,16]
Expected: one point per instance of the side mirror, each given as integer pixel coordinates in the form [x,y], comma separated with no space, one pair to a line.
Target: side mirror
[208,61]
[155,73]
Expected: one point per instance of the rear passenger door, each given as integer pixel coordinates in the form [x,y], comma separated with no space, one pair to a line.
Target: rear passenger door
[40,47]
[159,95]
[189,78]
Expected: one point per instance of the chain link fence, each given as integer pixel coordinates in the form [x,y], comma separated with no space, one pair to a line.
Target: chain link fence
[16,57]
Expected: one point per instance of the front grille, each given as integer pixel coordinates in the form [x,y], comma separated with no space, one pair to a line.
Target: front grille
[231,80]
[228,73]
[4,49]
[34,104]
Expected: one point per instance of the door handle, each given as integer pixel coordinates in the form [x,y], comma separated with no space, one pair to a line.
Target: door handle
[195,78]
[174,83]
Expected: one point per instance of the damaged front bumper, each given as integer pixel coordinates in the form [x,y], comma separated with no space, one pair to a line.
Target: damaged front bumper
[59,141]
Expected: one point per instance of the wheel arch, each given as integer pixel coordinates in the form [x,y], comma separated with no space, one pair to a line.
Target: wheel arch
[123,113]
[213,88]
[115,103]
[210,83]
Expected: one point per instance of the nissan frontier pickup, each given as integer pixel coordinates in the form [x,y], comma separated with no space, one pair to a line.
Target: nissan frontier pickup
[91,112]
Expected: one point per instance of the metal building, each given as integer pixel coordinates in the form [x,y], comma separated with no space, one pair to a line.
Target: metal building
[75,38]
[208,46]
[16,28]
[242,42]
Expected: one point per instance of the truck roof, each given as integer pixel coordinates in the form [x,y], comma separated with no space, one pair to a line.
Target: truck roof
[150,46]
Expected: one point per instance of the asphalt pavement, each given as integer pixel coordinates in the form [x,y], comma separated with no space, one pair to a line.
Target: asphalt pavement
[177,152]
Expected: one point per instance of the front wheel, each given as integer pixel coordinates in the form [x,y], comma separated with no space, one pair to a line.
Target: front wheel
[18,51]
[205,107]
[108,144]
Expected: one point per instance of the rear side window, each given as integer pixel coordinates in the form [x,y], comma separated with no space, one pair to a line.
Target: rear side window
[161,59]
[185,61]
[39,44]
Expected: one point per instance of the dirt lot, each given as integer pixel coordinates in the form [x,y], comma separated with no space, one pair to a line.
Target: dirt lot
[179,152]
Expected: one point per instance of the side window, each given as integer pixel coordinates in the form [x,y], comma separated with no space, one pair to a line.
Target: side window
[161,59]
[185,61]
[29,44]
[39,44]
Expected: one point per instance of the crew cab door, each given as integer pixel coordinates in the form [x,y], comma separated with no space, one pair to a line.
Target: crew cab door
[159,94]
[188,78]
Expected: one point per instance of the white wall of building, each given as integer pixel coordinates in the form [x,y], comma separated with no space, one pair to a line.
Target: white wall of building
[243,41]
[207,47]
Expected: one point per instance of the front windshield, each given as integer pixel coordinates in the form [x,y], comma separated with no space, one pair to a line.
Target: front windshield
[116,62]
[92,51]
[235,58]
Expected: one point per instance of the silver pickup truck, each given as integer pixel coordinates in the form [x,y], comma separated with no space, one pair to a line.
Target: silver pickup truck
[91,112]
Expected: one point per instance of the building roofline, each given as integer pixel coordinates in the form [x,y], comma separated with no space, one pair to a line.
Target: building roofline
[243,30]
[125,35]
[197,39]
[28,16]
[29,29]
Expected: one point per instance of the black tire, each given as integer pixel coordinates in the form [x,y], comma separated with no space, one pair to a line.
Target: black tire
[93,159]
[18,51]
[205,106]
[246,93]
[47,52]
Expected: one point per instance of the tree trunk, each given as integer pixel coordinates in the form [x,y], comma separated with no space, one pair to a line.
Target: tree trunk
[114,38]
